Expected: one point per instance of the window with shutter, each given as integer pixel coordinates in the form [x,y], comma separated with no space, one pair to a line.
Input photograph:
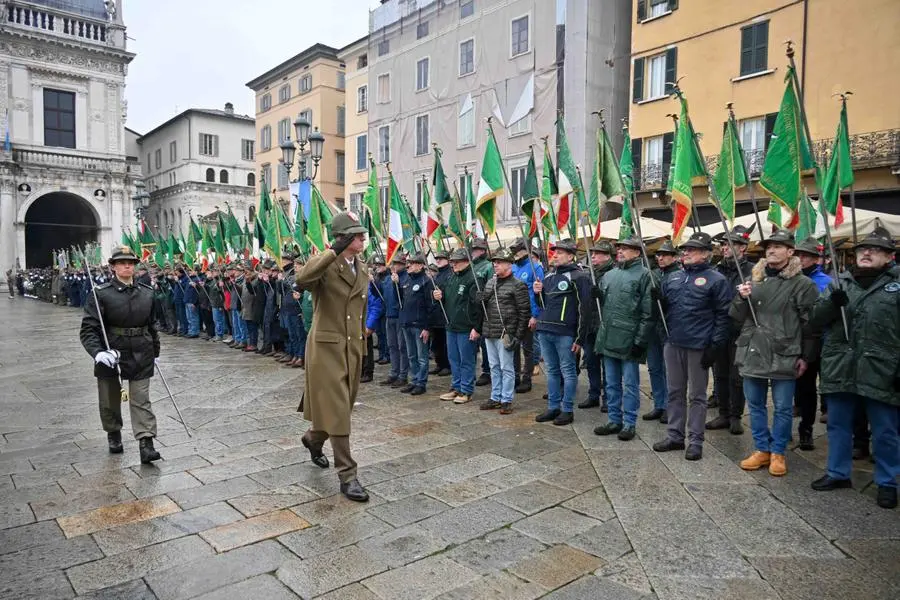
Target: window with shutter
[641,10]
[422,135]
[637,92]
[422,74]
[754,48]
[341,167]
[671,69]
[466,57]
[362,99]
[636,148]
[656,87]
[667,141]
[341,120]
[362,149]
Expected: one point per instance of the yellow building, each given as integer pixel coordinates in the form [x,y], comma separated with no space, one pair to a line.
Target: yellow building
[310,84]
[734,52]
[356,138]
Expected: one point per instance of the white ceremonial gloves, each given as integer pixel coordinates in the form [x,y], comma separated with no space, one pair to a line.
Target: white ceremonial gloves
[110,358]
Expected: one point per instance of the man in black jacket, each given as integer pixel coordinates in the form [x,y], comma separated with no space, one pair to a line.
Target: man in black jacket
[438,325]
[415,314]
[125,309]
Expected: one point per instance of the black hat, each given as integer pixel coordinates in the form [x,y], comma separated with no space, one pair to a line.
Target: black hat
[781,236]
[700,240]
[879,238]
[459,254]
[418,258]
[503,255]
[740,234]
[809,246]
[603,246]
[630,242]
[479,244]
[441,254]
[123,253]
[518,244]
[566,245]
[667,248]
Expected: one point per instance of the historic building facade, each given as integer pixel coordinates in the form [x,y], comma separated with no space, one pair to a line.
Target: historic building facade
[64,177]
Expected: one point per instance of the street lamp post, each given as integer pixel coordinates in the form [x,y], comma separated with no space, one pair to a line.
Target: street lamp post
[316,143]
[141,200]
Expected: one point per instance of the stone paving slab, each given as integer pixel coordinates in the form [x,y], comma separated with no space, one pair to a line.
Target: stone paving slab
[464,503]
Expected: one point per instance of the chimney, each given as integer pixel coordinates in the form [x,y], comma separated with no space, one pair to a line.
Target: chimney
[229,108]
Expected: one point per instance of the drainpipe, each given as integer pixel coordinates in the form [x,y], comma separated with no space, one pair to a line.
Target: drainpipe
[803,49]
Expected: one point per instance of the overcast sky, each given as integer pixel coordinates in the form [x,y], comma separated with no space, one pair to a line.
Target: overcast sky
[200,53]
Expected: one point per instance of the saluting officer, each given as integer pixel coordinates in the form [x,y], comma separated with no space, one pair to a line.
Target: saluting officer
[126,310]
[337,280]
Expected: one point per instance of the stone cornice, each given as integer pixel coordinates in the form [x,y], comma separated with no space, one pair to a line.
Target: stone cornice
[201,186]
[53,51]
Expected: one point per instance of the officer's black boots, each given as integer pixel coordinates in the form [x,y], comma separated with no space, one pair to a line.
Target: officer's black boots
[148,452]
[115,442]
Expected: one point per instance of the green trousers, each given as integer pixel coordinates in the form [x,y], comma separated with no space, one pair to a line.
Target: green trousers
[143,421]
[343,460]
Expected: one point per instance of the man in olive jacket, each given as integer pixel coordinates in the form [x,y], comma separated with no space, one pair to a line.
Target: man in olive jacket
[866,370]
[459,297]
[777,349]
[623,336]
[337,280]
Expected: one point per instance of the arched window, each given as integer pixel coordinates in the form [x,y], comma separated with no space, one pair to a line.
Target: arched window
[251,180]
[251,214]
[165,222]
[211,175]
[223,176]
[172,217]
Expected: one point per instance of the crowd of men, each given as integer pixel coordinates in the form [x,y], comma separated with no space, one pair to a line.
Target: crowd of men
[786,323]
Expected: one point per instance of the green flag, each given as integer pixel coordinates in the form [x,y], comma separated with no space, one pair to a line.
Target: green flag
[409,223]
[531,198]
[549,193]
[788,155]
[774,214]
[443,200]
[840,170]
[300,238]
[606,181]
[730,173]
[456,223]
[265,203]
[626,168]
[570,198]
[315,231]
[490,186]
[371,199]
[807,222]
[688,165]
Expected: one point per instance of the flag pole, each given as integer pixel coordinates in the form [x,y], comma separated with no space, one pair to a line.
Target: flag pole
[468,253]
[695,214]
[799,92]
[750,188]
[852,190]
[537,229]
[587,250]
[714,196]
[552,210]
[433,284]
[123,392]
[636,221]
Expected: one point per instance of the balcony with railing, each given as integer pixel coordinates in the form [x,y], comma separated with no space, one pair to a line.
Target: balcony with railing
[72,161]
[867,151]
[64,20]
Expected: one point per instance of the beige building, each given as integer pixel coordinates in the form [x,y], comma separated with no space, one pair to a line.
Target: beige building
[356,134]
[734,52]
[312,84]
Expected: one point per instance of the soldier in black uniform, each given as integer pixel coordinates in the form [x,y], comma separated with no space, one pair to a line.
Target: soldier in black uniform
[126,308]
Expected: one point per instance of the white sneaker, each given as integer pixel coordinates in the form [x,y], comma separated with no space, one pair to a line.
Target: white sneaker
[461,399]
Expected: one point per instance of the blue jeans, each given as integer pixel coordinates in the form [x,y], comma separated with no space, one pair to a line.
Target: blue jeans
[292,325]
[397,344]
[181,317]
[219,320]
[884,420]
[594,364]
[622,390]
[503,370]
[252,333]
[418,356]
[238,328]
[756,390]
[461,353]
[193,320]
[559,360]
[656,366]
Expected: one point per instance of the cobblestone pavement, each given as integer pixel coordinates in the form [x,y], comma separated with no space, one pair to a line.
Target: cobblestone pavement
[465,504]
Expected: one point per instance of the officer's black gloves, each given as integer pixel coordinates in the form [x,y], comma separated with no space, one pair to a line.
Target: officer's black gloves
[341,243]
[839,298]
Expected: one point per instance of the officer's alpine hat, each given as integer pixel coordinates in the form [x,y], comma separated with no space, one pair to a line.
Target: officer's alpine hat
[503,255]
[479,244]
[700,240]
[441,254]
[781,236]
[123,253]
[346,223]
[740,234]
[630,242]
[879,238]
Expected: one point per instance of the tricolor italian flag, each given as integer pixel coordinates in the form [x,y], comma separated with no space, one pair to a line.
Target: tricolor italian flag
[396,214]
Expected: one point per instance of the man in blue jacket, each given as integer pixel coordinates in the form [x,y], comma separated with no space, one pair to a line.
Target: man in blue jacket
[414,317]
[562,324]
[374,314]
[526,271]
[696,301]
[806,395]
[390,291]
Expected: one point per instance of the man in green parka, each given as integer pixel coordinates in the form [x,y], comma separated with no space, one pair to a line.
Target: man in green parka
[866,369]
